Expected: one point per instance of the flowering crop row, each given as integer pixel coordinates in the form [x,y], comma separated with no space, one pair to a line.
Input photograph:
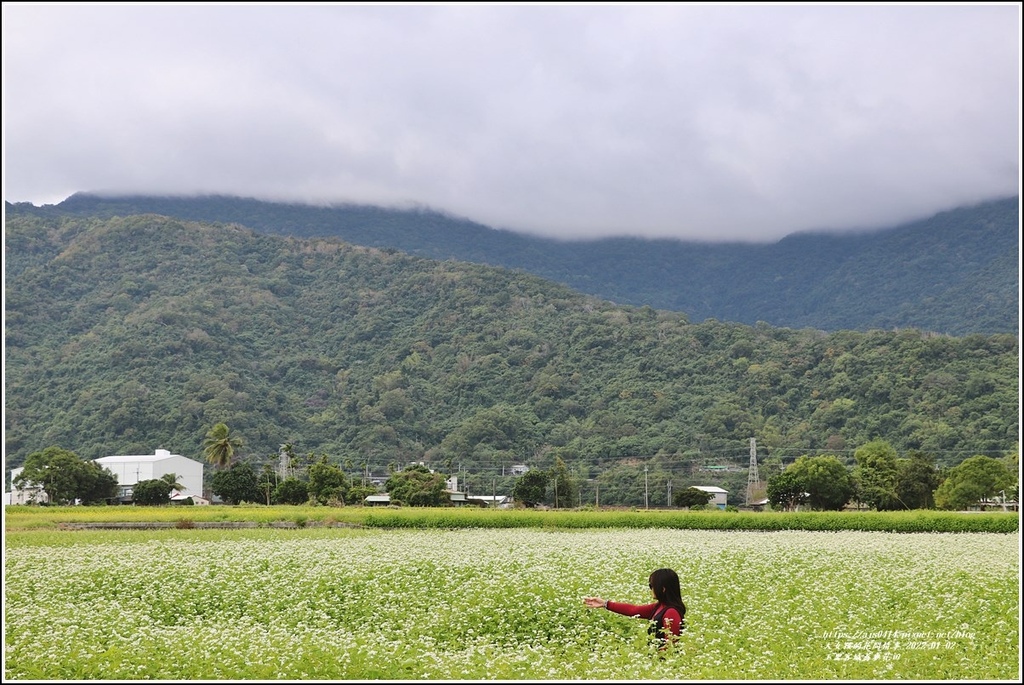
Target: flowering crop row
[506,604]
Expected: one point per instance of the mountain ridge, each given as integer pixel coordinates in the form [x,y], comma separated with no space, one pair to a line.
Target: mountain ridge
[142,331]
[948,273]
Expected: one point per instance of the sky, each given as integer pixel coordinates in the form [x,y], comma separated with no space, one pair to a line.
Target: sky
[715,122]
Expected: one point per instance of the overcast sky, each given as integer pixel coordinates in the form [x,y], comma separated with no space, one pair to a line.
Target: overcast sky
[721,122]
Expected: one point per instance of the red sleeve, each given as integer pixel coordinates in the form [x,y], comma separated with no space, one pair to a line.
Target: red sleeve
[672,616]
[636,610]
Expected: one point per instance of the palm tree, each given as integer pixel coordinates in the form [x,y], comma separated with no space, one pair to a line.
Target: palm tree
[172,480]
[220,445]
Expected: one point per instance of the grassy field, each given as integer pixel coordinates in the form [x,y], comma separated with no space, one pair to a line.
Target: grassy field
[325,603]
[32,517]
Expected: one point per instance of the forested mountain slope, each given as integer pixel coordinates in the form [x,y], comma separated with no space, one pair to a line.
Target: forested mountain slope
[129,334]
[956,273]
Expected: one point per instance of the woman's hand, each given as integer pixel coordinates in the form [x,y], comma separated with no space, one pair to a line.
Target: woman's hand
[595,602]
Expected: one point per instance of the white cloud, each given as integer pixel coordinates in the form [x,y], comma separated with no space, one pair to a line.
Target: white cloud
[667,119]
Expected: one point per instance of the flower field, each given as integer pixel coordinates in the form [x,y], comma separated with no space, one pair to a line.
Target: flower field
[482,604]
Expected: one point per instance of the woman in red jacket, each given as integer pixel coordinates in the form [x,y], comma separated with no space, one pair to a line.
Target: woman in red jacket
[667,614]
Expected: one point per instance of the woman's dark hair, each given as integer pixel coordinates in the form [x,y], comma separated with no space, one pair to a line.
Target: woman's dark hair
[665,583]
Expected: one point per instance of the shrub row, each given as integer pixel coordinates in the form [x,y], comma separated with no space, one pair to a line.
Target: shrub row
[917,521]
[898,522]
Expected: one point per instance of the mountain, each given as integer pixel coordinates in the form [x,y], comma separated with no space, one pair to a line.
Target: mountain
[132,333]
[955,273]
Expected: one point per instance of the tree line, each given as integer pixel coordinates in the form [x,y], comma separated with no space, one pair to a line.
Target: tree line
[880,480]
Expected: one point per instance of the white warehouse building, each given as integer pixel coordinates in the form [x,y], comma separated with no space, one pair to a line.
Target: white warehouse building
[132,469]
[719,496]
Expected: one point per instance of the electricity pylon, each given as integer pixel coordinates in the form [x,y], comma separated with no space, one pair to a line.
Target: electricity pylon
[753,479]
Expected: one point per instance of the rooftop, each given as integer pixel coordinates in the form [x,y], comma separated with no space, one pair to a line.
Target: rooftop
[122,458]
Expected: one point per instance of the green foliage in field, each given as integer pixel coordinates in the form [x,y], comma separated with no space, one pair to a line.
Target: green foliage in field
[507,605]
[35,518]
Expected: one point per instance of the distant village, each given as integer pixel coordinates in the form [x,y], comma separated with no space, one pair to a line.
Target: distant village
[188,473]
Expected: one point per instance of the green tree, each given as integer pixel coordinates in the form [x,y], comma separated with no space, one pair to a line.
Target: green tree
[55,470]
[236,484]
[327,482]
[973,480]
[172,480]
[785,490]
[501,434]
[691,497]
[1012,462]
[220,445]
[64,477]
[827,482]
[529,488]
[291,490]
[416,486]
[565,491]
[357,494]
[876,474]
[99,484]
[916,480]
[152,492]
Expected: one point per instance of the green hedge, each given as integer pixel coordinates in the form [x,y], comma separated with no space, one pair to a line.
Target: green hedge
[899,522]
[918,521]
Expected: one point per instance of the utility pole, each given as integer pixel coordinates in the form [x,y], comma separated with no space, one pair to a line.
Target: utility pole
[753,479]
[669,502]
[645,488]
[579,488]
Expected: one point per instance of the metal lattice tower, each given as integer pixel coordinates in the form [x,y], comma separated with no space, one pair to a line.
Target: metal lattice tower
[282,464]
[753,479]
